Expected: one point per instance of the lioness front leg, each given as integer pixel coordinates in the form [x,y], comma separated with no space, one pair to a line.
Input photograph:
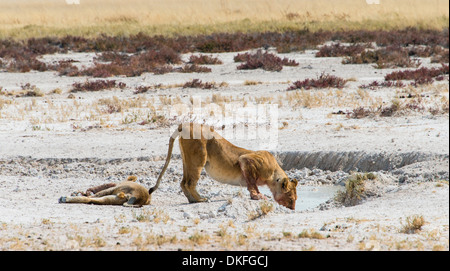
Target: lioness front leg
[250,179]
[254,191]
[252,187]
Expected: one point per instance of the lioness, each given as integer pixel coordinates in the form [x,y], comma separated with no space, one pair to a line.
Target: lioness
[202,147]
[127,193]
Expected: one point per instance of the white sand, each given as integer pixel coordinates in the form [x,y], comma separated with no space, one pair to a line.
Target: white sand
[43,157]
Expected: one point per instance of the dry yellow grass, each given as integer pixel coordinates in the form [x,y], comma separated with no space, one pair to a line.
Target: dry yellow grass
[33,18]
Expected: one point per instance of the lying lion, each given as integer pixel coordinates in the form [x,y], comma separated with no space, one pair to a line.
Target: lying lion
[201,147]
[127,193]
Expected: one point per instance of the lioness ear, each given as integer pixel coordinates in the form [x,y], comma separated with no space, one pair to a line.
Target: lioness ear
[289,184]
[132,178]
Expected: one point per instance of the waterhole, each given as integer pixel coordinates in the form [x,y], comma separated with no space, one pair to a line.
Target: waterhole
[309,197]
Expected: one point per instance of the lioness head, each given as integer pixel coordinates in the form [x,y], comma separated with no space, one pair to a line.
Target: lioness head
[286,192]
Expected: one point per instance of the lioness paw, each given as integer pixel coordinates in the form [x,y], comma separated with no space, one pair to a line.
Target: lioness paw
[258,196]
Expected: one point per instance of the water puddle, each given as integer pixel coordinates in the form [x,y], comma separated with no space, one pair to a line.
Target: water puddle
[311,196]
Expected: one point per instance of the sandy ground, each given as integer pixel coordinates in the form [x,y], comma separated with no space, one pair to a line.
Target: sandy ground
[53,145]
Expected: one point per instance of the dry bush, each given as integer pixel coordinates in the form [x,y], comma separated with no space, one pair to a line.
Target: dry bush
[26,90]
[437,53]
[311,234]
[413,224]
[97,85]
[204,60]
[354,191]
[142,89]
[388,84]
[65,67]
[191,68]
[156,61]
[197,83]
[265,61]
[418,74]
[20,59]
[22,55]
[360,112]
[137,53]
[440,57]
[265,207]
[323,81]
[396,108]
[389,57]
[338,50]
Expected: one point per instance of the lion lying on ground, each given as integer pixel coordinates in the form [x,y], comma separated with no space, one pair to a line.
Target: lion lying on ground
[127,193]
[201,147]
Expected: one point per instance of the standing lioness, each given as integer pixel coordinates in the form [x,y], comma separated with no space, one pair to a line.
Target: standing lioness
[202,147]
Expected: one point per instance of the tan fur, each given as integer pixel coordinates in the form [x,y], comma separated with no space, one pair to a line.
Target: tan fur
[127,193]
[91,191]
[201,147]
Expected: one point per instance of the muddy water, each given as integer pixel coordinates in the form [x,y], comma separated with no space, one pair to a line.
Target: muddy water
[311,196]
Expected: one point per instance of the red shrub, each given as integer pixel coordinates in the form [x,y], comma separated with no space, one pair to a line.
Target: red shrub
[189,68]
[121,64]
[65,67]
[389,57]
[388,84]
[338,50]
[197,83]
[323,81]
[142,89]
[97,85]
[418,73]
[204,60]
[265,61]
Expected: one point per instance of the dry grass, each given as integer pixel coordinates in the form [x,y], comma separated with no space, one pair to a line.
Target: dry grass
[327,98]
[144,111]
[413,224]
[265,207]
[311,234]
[131,233]
[32,18]
[354,189]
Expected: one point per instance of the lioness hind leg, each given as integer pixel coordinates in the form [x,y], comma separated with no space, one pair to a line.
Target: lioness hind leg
[192,168]
[96,189]
[80,199]
[189,184]
[105,192]
[109,200]
[106,200]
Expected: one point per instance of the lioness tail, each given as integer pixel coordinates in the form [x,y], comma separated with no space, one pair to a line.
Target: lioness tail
[169,155]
